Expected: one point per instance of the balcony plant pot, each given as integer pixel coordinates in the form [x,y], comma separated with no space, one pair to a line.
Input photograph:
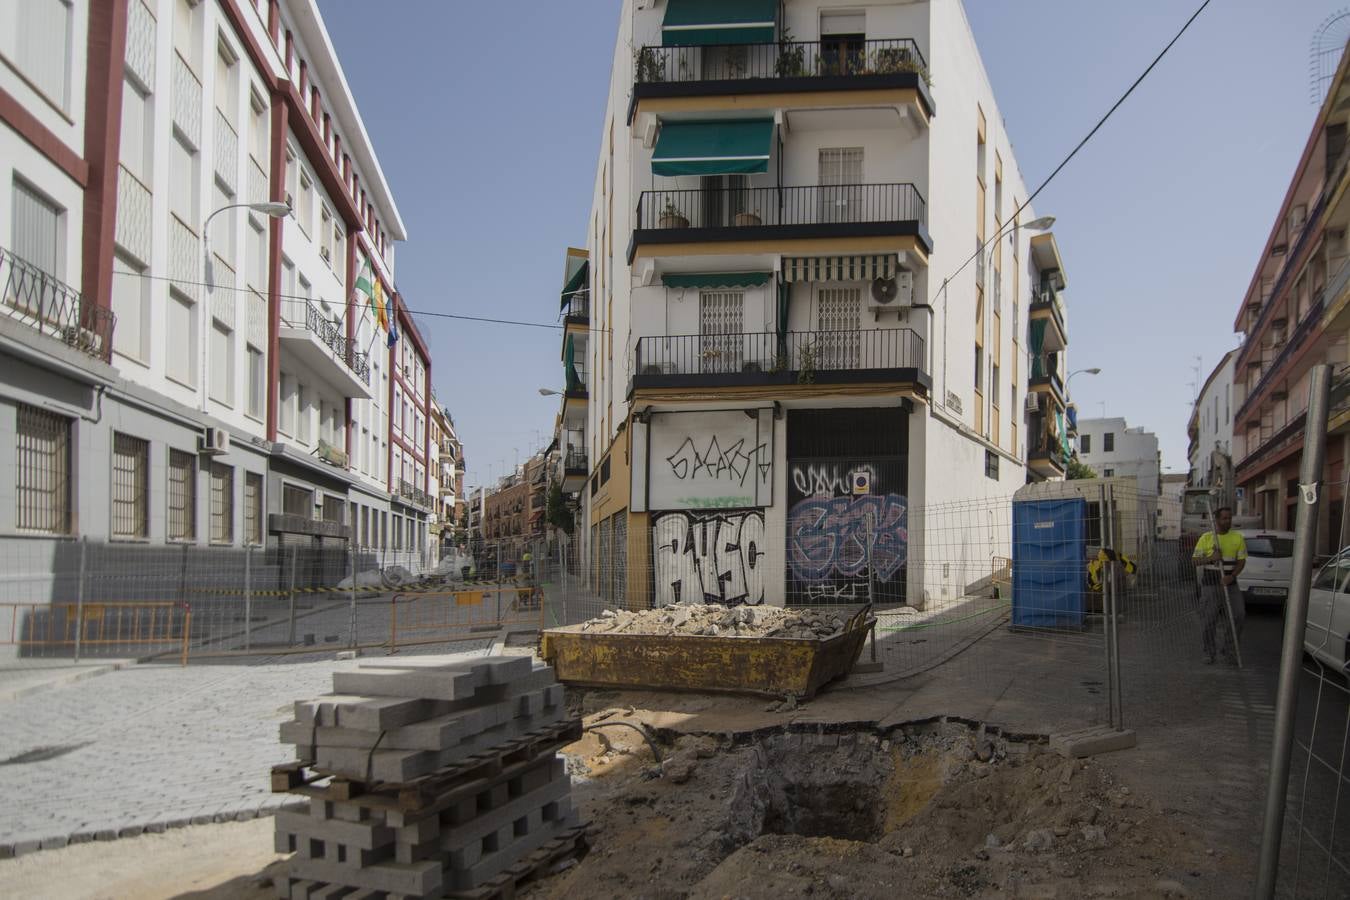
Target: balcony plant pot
[651,370]
[752,368]
[743,219]
[672,220]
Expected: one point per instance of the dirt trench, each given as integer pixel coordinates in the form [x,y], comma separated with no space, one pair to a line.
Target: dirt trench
[938,810]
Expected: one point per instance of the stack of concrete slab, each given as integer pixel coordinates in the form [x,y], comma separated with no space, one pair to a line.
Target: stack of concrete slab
[427,777]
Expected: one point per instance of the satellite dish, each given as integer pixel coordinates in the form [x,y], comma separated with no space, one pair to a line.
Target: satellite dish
[1324,54]
[885,290]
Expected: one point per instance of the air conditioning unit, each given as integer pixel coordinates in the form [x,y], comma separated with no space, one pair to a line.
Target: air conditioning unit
[892,293]
[1033,401]
[214,441]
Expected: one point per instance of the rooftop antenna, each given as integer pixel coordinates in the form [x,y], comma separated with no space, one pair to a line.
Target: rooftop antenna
[1324,53]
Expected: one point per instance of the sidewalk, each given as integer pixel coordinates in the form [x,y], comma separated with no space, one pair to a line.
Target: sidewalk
[19,678]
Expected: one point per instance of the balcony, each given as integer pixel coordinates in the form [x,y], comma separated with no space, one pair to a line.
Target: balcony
[893,355]
[714,220]
[1046,457]
[575,470]
[319,343]
[576,398]
[1048,308]
[54,308]
[412,494]
[888,71]
[1045,379]
[577,309]
[1311,324]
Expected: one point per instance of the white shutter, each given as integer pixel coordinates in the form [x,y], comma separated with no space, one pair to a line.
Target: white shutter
[838,320]
[721,323]
[42,46]
[843,23]
[36,234]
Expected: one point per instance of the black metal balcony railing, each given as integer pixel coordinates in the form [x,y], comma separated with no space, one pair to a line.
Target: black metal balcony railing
[805,205]
[575,377]
[784,59]
[575,460]
[578,306]
[1312,319]
[54,308]
[801,353]
[345,348]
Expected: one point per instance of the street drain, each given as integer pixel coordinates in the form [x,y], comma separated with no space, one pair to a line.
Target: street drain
[813,786]
[42,754]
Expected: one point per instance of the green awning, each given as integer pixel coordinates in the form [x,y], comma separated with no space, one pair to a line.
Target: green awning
[578,272]
[711,280]
[732,147]
[691,23]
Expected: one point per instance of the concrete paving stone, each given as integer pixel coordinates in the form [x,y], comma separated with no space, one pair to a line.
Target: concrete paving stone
[23,847]
[105,834]
[55,843]
[82,837]
[6,851]
[201,819]
[131,831]
[157,827]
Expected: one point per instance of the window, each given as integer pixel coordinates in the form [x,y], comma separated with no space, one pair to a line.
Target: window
[292,178]
[1108,473]
[181,364]
[297,501]
[396,414]
[333,509]
[1108,441]
[42,477]
[302,401]
[991,464]
[222,364]
[257,381]
[223,239]
[130,487]
[286,419]
[993,385]
[222,504]
[42,42]
[839,172]
[256,258]
[185,39]
[131,305]
[257,131]
[137,135]
[304,209]
[183,182]
[1085,444]
[227,82]
[37,231]
[182,524]
[326,234]
[253,508]
[979,368]
[339,251]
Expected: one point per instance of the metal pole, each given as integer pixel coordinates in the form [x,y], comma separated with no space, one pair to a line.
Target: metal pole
[1115,572]
[79,601]
[290,637]
[1108,530]
[248,597]
[1295,615]
[351,569]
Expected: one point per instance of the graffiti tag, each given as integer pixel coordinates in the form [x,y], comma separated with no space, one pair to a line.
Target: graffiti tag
[709,558]
[734,463]
[840,536]
[820,480]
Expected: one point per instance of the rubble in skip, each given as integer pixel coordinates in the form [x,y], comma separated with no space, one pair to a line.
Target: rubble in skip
[428,777]
[720,621]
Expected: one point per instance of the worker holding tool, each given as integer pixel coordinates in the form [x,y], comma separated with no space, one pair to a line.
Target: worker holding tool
[1220,555]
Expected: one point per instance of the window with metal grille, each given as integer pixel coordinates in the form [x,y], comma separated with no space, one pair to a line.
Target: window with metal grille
[42,477]
[182,496]
[297,501]
[222,504]
[253,508]
[840,172]
[130,487]
[1109,441]
[333,508]
[837,343]
[991,464]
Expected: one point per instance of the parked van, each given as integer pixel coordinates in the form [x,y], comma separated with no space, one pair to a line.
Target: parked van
[1270,565]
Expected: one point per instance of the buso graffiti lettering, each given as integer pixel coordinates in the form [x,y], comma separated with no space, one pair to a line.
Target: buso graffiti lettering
[734,464]
[709,557]
[838,536]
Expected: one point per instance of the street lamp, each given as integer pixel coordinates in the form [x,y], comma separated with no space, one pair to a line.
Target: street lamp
[274,209]
[546,392]
[1093,371]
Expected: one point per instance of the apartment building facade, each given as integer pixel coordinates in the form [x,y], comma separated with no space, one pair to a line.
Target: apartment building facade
[1115,450]
[1209,431]
[809,291]
[201,327]
[447,483]
[1296,314]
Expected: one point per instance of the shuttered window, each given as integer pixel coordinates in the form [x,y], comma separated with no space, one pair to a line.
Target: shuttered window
[42,41]
[42,471]
[37,230]
[222,504]
[130,487]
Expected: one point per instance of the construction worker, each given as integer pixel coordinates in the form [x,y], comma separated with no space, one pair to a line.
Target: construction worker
[1220,556]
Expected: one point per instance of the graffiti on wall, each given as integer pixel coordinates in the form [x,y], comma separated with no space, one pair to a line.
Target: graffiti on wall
[709,460]
[709,557]
[847,530]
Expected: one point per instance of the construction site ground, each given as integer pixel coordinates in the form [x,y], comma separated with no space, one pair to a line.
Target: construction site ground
[867,791]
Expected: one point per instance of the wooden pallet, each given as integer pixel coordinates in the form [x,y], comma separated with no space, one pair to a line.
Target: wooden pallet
[300,777]
[572,843]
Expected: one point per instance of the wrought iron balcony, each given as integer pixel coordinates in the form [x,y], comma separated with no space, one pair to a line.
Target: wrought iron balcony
[781,61]
[578,307]
[795,357]
[756,209]
[344,348]
[52,307]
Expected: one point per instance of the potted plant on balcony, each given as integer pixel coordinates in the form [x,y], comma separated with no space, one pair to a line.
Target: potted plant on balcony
[791,57]
[672,217]
[747,218]
[894,60]
[648,66]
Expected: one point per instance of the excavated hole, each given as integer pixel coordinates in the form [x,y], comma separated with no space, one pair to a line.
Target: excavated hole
[813,790]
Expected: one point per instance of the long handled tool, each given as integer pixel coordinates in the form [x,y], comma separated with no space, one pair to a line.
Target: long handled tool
[1227,610]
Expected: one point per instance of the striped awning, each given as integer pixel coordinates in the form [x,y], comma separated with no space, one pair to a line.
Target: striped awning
[840,268]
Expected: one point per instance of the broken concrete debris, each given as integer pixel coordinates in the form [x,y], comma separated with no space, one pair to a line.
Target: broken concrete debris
[444,777]
[715,620]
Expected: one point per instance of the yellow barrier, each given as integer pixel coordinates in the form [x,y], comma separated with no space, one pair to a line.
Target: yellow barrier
[100,624]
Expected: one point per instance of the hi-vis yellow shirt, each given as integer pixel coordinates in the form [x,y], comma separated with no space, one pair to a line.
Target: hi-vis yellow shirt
[1231,546]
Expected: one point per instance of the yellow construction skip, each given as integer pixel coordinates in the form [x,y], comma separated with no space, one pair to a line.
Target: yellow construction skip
[769,666]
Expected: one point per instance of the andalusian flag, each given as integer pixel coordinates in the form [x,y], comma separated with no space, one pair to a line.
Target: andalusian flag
[368,286]
[380,307]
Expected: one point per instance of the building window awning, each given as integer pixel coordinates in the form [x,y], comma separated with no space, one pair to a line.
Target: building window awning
[733,147]
[840,268]
[578,276]
[715,280]
[690,23]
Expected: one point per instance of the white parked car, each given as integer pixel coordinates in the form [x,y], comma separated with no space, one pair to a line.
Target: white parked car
[1270,565]
[1325,634]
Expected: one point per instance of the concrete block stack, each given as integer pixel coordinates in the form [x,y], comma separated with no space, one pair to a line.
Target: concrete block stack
[427,777]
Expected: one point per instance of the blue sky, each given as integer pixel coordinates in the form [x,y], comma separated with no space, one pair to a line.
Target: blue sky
[488,137]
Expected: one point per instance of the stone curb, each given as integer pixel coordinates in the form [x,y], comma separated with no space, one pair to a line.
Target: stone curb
[61,680]
[13,849]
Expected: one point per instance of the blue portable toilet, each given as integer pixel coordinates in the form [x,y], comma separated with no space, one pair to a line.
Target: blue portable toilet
[1049,563]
